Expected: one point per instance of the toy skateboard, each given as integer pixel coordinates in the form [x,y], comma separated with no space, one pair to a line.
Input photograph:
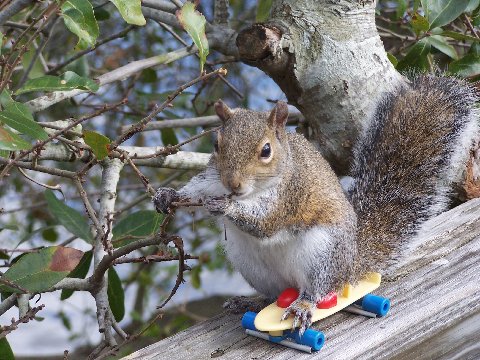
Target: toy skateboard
[267,324]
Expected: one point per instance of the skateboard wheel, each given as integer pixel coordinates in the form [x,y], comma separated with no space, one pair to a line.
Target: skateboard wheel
[376,304]
[248,320]
[312,338]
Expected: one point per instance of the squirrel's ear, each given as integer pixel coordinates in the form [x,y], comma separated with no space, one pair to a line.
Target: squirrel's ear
[279,114]
[223,111]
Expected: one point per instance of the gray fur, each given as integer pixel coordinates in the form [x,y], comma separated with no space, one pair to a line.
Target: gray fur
[405,163]
[288,222]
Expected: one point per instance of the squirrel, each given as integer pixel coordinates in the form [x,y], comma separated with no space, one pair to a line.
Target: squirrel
[289,223]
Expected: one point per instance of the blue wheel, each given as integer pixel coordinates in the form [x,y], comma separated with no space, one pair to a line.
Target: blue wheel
[376,304]
[313,338]
[248,320]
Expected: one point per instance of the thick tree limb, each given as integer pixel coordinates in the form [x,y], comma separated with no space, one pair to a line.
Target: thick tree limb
[329,60]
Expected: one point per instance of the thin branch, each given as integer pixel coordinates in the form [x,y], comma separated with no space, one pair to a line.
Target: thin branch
[118,74]
[161,16]
[204,121]
[153,258]
[38,52]
[88,207]
[208,64]
[90,49]
[146,196]
[44,169]
[141,124]
[13,285]
[470,26]
[161,5]
[6,304]
[30,315]
[37,147]
[14,8]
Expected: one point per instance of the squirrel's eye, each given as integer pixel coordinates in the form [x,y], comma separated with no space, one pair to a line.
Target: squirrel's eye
[266,151]
[215,146]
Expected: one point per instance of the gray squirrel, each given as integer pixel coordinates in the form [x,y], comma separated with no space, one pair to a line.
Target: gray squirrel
[288,222]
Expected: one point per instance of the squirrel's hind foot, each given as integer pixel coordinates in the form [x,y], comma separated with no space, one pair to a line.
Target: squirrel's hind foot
[302,310]
[241,304]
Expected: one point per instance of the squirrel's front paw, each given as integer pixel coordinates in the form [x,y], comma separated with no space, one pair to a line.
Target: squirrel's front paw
[302,310]
[216,206]
[163,199]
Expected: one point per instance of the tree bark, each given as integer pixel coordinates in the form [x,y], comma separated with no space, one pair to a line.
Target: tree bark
[327,57]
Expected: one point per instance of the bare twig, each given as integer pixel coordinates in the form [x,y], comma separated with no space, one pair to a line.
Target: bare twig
[30,315]
[41,144]
[141,124]
[121,73]
[90,49]
[153,258]
[13,285]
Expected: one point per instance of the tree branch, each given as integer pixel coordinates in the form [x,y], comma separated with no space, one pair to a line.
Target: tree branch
[123,72]
[14,8]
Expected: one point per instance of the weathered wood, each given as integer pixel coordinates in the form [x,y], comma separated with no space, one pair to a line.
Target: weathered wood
[437,293]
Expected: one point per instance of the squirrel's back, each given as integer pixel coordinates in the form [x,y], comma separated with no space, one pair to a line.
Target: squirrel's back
[405,162]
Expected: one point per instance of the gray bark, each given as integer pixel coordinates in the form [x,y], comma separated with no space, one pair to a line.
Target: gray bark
[329,60]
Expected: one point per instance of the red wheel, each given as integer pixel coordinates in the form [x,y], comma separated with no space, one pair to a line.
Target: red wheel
[287,297]
[328,301]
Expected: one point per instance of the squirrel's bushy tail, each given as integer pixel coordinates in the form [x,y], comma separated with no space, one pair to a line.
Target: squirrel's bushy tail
[405,162]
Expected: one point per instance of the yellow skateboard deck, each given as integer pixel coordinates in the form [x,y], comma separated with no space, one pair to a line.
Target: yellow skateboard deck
[269,318]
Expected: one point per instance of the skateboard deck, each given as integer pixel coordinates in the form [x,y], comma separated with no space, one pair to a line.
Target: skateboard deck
[269,319]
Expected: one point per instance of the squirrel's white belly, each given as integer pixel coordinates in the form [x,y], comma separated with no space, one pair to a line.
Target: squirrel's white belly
[273,264]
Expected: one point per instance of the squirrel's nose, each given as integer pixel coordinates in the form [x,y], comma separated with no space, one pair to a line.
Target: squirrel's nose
[234,185]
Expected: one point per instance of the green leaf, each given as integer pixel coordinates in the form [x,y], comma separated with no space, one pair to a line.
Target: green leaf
[139,224]
[402,6]
[10,227]
[440,43]
[416,4]
[79,19]
[116,296]
[459,36]
[18,116]
[148,76]
[37,68]
[416,58]
[80,272]
[194,24]
[419,23]
[5,97]
[50,234]
[98,142]
[68,81]
[467,66]
[131,11]
[392,59]
[169,137]
[11,141]
[70,218]
[101,14]
[6,352]
[65,320]
[195,276]
[472,5]
[442,12]
[38,272]
[263,10]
